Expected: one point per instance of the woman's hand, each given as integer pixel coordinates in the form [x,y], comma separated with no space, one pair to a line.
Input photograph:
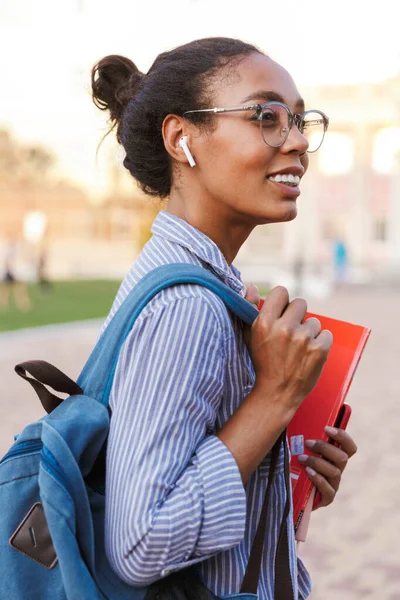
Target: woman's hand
[288,352]
[325,471]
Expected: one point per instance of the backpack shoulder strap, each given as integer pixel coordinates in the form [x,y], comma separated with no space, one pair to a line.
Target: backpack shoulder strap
[98,373]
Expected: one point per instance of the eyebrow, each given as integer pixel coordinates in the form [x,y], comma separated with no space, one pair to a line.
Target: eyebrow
[269,96]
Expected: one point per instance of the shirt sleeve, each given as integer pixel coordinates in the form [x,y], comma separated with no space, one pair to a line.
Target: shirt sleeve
[174,494]
[304,580]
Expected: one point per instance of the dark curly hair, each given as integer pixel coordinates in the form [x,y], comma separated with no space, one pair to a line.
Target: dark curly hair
[179,80]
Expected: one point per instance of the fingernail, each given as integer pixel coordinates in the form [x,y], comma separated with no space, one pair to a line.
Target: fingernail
[252,294]
[302,457]
[331,430]
[310,443]
[253,285]
[311,471]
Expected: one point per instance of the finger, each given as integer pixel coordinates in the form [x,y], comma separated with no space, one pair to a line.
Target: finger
[335,455]
[324,340]
[313,325]
[275,304]
[345,440]
[323,467]
[295,312]
[323,486]
[253,295]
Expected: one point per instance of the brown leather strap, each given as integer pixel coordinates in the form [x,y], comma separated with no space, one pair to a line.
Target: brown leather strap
[252,575]
[43,373]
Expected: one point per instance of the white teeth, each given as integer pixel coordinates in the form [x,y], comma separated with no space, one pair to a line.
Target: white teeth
[286,178]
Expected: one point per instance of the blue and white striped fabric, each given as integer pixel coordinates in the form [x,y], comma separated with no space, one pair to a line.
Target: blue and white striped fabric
[174,492]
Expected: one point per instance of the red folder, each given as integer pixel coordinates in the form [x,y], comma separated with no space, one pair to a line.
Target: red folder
[322,406]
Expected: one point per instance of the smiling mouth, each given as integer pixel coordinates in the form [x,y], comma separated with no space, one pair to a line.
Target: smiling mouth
[286,179]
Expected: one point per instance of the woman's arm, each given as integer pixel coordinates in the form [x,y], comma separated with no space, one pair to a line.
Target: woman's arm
[166,478]
[174,492]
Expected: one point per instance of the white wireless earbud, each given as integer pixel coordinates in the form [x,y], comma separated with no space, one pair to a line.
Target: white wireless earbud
[185,148]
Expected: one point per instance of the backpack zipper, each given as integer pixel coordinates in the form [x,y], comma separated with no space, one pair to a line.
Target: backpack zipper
[48,460]
[28,447]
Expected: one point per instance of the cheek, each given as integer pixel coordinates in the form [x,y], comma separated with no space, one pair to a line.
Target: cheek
[242,162]
[234,158]
[239,148]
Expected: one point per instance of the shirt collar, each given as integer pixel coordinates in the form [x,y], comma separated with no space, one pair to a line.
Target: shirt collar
[176,230]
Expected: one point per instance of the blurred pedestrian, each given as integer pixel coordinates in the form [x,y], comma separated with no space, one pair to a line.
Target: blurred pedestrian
[42,278]
[11,286]
[340,261]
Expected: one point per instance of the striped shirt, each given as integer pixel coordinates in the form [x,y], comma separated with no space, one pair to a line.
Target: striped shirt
[174,492]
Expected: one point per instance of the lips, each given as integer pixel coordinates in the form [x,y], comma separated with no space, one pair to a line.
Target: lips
[288,190]
[286,178]
[293,170]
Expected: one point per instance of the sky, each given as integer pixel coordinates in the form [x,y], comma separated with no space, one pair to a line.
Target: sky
[47,48]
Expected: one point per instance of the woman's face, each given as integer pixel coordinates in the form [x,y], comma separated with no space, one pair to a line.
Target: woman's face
[234,164]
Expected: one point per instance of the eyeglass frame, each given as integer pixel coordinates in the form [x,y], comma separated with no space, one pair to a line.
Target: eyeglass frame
[294,118]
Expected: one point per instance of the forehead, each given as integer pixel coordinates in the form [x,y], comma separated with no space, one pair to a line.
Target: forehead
[257,75]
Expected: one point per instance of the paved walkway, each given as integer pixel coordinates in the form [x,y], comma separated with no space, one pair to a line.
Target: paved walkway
[353,548]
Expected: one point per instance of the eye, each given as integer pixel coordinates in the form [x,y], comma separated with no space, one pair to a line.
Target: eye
[269,117]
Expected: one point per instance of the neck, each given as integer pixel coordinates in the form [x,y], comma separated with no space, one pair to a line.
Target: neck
[227,228]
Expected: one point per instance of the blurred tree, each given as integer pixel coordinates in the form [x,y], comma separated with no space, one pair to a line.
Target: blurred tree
[21,163]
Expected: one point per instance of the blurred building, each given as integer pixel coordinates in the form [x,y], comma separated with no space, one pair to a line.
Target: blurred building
[81,237]
[351,193]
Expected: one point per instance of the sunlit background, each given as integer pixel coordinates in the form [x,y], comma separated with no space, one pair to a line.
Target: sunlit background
[344,56]
[72,221]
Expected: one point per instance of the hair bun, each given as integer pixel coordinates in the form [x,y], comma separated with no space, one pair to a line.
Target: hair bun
[114,82]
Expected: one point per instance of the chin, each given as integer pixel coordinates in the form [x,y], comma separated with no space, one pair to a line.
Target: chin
[288,215]
[281,212]
[291,215]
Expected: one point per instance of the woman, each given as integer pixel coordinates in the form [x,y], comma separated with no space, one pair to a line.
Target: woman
[194,418]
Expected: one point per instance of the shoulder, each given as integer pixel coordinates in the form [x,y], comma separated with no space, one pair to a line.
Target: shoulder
[188,296]
[183,329]
[188,302]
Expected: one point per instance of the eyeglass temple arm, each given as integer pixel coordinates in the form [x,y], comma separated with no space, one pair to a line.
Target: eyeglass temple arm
[222,110]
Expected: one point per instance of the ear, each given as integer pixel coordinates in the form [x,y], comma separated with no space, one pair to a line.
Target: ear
[173,128]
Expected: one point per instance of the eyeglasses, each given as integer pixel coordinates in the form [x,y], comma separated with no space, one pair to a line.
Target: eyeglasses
[276,121]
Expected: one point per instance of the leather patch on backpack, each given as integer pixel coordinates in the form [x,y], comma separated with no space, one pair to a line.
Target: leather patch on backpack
[32,538]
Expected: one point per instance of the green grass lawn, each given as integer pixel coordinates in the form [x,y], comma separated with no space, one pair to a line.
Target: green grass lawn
[65,301]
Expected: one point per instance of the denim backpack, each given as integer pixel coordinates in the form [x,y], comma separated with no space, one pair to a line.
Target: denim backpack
[52,478]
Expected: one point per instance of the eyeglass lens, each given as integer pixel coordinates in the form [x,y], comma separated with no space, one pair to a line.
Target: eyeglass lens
[274,125]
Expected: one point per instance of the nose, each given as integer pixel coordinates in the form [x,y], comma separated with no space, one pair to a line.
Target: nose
[295,141]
